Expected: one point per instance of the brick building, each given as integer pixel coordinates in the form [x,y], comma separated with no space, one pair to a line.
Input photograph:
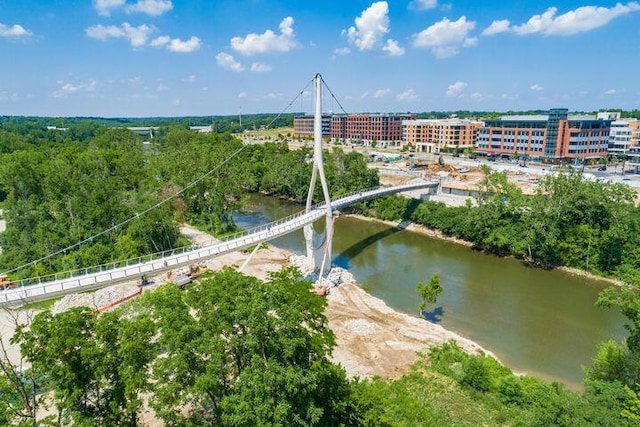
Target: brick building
[554,137]
[381,130]
[440,135]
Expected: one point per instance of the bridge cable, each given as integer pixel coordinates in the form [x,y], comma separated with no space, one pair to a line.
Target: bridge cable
[162,202]
[333,96]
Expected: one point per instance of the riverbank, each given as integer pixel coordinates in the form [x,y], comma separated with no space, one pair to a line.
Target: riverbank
[425,231]
[372,338]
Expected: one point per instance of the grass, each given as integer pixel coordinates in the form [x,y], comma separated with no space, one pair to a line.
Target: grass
[270,133]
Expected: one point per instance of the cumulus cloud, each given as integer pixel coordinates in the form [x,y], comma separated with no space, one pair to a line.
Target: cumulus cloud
[228,62]
[259,67]
[407,95]
[67,89]
[268,41]
[369,27]
[393,49]
[381,93]
[446,37]
[104,7]
[137,36]
[423,4]
[536,87]
[455,89]
[150,7]
[191,78]
[610,92]
[497,27]
[582,19]
[342,51]
[14,31]
[177,45]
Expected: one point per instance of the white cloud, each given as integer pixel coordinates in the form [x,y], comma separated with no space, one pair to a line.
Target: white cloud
[273,95]
[228,62]
[446,37]
[381,93]
[150,7]
[610,92]
[364,95]
[393,49]
[423,4]
[104,6]
[536,87]
[187,46]
[243,94]
[137,36]
[342,51]
[476,96]
[14,31]
[190,79]
[268,41]
[259,67]
[370,26]
[455,89]
[160,41]
[582,19]
[407,95]
[67,89]
[497,27]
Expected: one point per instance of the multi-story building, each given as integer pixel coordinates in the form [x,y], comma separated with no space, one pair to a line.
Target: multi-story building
[381,130]
[553,137]
[624,134]
[633,158]
[440,135]
[303,126]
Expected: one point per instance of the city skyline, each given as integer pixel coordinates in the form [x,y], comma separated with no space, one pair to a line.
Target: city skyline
[141,58]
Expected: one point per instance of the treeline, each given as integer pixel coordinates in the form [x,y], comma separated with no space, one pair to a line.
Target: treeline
[220,124]
[232,350]
[61,188]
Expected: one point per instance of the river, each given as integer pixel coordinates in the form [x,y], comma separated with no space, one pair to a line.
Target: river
[535,321]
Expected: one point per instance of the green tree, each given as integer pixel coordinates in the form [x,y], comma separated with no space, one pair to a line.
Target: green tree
[244,352]
[95,366]
[429,291]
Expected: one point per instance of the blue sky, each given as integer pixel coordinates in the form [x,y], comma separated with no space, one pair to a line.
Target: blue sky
[125,58]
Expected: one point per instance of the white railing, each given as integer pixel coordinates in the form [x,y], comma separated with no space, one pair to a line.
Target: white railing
[89,278]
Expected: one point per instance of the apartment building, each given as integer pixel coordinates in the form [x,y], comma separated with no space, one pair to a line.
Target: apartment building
[303,126]
[552,137]
[380,130]
[624,134]
[440,135]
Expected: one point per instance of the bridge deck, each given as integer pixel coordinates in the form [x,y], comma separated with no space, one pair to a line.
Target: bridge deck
[96,277]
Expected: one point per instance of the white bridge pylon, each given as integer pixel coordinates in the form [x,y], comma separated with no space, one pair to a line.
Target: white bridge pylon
[319,244]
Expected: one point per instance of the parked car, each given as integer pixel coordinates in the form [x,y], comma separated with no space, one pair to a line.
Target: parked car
[602,168]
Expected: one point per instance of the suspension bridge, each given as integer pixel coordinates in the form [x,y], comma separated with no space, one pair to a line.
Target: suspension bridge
[318,244]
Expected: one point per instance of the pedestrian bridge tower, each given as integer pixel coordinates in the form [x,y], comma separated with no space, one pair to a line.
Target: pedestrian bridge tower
[319,244]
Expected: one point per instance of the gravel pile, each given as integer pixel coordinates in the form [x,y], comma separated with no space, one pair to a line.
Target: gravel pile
[335,277]
[96,300]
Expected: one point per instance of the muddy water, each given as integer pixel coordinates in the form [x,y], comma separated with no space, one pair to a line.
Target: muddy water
[540,322]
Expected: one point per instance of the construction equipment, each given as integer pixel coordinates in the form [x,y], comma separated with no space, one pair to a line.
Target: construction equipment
[6,283]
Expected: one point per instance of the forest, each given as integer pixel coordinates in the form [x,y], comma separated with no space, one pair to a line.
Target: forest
[62,189]
[234,350]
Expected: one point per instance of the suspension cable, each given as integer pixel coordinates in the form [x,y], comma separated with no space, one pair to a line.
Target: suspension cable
[333,96]
[155,206]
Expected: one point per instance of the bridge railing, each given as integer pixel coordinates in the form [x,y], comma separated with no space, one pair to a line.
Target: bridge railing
[339,202]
